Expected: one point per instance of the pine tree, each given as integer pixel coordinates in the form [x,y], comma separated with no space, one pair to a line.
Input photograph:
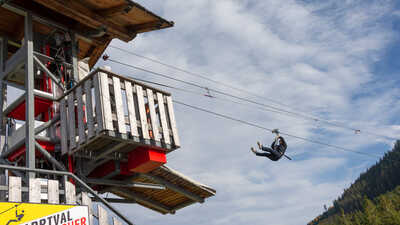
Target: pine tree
[371,213]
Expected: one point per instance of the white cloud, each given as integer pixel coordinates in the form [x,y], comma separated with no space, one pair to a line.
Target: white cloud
[315,57]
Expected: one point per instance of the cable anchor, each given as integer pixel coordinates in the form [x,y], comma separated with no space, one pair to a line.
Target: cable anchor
[208,94]
[106,57]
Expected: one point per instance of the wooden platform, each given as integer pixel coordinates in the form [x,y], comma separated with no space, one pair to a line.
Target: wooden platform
[180,191]
[107,113]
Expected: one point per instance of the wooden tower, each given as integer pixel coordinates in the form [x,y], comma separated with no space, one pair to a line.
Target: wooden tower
[78,132]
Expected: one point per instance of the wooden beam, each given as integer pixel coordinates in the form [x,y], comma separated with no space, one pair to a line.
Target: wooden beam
[173,187]
[70,193]
[140,199]
[76,10]
[116,10]
[89,109]
[86,200]
[53,192]
[19,29]
[14,187]
[34,190]
[173,122]
[116,221]
[163,118]
[183,205]
[131,109]
[139,28]
[124,184]
[119,106]
[97,52]
[103,215]
[116,200]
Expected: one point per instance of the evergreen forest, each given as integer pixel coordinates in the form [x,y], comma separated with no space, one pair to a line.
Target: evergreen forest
[374,198]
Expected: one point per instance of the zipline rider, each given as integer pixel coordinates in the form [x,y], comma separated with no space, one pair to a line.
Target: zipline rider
[277,150]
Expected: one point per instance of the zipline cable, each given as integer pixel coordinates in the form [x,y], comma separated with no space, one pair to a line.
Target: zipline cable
[312,118]
[198,75]
[240,90]
[252,124]
[218,92]
[267,129]
[211,97]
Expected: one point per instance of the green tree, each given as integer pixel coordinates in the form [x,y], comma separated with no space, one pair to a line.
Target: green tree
[371,213]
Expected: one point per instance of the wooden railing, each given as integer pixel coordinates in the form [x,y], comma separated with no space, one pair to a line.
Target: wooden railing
[105,103]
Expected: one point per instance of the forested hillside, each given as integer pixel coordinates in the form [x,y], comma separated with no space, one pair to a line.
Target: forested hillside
[374,198]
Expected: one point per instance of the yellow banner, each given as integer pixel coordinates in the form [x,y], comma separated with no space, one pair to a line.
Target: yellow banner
[42,214]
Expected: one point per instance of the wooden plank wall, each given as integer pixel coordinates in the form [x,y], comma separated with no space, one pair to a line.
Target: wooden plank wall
[38,187]
[128,110]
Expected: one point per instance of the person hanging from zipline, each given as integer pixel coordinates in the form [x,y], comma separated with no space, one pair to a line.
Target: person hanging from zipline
[277,150]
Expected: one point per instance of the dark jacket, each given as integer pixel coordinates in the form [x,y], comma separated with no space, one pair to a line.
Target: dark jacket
[281,148]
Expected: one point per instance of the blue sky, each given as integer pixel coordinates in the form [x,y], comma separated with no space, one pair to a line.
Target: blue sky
[333,61]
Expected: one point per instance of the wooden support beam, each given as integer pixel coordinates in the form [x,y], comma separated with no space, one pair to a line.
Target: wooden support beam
[106,101]
[76,10]
[163,118]
[116,221]
[108,150]
[103,215]
[86,200]
[97,52]
[173,187]
[14,187]
[140,198]
[119,106]
[121,184]
[70,196]
[53,195]
[34,190]
[3,194]
[89,109]
[183,205]
[131,109]
[142,112]
[116,10]
[80,109]
[18,33]
[173,122]
[117,200]
[140,28]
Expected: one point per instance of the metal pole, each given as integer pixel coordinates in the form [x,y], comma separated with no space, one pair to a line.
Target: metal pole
[74,45]
[3,87]
[47,124]
[47,71]
[3,53]
[49,157]
[29,97]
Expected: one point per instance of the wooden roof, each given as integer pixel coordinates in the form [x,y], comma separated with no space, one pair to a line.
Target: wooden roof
[122,19]
[180,191]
